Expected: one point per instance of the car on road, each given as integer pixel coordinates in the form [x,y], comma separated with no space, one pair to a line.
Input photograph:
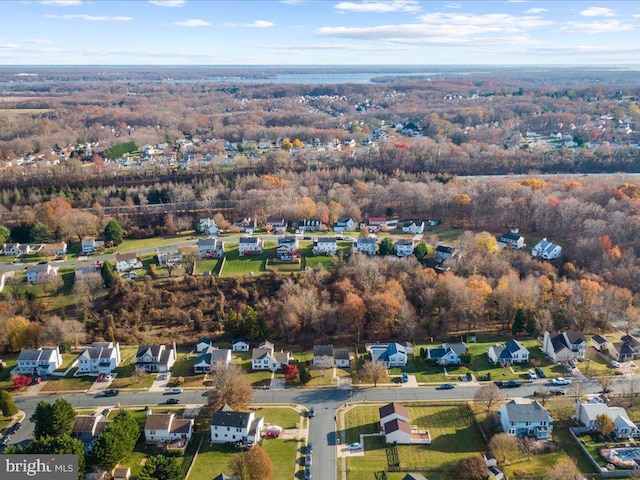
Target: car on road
[5,441]
[173,401]
[312,412]
[111,393]
[618,372]
[15,427]
[405,377]
[176,390]
[557,391]
[507,384]
[308,460]
[445,386]
[307,473]
[561,381]
[615,364]
[310,448]
[605,390]
[355,446]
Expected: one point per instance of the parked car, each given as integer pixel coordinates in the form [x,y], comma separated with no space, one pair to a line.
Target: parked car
[101,377]
[557,391]
[355,446]
[308,460]
[175,390]
[307,473]
[5,441]
[561,381]
[508,384]
[572,364]
[310,448]
[532,374]
[615,364]
[405,377]
[36,380]
[173,400]
[111,393]
[15,427]
[312,412]
[445,386]
[105,412]
[540,372]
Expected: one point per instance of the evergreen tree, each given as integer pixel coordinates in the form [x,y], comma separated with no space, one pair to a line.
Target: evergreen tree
[305,375]
[59,445]
[519,322]
[39,233]
[53,419]
[117,441]
[160,467]
[533,326]
[4,234]
[420,251]
[386,246]
[7,405]
[113,232]
[108,275]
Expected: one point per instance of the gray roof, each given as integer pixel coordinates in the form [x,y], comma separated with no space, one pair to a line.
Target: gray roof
[366,240]
[40,355]
[323,350]
[527,412]
[249,240]
[226,418]
[341,354]
[414,476]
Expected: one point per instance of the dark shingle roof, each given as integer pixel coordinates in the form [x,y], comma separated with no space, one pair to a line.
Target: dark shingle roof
[224,418]
[393,407]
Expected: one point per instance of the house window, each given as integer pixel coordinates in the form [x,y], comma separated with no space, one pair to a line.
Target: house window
[216,435]
[228,429]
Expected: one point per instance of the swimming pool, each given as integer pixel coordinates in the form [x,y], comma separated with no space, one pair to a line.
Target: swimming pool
[626,454]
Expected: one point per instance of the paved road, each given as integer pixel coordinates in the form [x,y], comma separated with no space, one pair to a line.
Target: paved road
[322,428]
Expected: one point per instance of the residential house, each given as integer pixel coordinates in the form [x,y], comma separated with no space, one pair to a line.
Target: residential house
[587,414]
[448,354]
[90,245]
[343,224]
[414,476]
[210,247]
[512,351]
[366,245]
[277,225]
[250,246]
[13,249]
[156,358]
[380,223]
[342,357]
[309,225]
[267,344]
[42,361]
[494,473]
[396,426]
[121,473]
[169,256]
[526,419]
[404,247]
[288,248]
[392,354]
[208,226]
[126,262]
[564,346]
[228,426]
[628,348]
[164,428]
[512,240]
[444,252]
[87,429]
[323,356]
[41,273]
[397,432]
[415,227]
[100,357]
[240,344]
[84,272]
[546,250]
[393,411]
[325,246]
[53,249]
[600,343]
[268,359]
[212,358]
[247,225]
[203,344]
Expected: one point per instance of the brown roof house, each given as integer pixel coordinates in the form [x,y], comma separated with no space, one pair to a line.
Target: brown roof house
[396,426]
[87,429]
[166,430]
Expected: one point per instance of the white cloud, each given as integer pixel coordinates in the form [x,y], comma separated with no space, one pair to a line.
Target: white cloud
[255,24]
[38,41]
[533,11]
[193,22]
[380,6]
[598,12]
[9,46]
[91,18]
[62,3]
[453,5]
[603,26]
[340,47]
[168,3]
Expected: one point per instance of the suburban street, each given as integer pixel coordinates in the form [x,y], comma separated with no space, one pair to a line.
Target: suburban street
[325,401]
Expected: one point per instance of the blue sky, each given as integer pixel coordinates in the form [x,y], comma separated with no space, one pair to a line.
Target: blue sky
[306,32]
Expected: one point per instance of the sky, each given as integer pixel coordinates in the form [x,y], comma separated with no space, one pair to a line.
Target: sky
[309,32]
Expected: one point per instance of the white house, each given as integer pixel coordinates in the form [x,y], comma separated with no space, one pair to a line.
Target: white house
[100,357]
[526,419]
[126,262]
[210,247]
[393,411]
[156,358]
[448,354]
[267,359]
[415,227]
[83,272]
[587,414]
[546,250]
[203,344]
[392,354]
[342,357]
[277,225]
[396,426]
[249,246]
[208,226]
[443,252]
[41,273]
[169,255]
[309,225]
[211,359]
[343,224]
[90,245]
[404,247]
[377,223]
[11,249]
[325,246]
[42,361]
[564,346]
[228,426]
[240,344]
[288,248]
[248,225]
[167,428]
[512,351]
[366,245]
[323,356]
[512,240]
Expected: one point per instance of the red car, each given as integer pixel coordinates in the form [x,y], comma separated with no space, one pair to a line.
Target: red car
[272,434]
[101,377]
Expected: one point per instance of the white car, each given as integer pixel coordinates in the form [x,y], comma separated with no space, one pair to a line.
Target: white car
[615,364]
[355,446]
[176,390]
[561,381]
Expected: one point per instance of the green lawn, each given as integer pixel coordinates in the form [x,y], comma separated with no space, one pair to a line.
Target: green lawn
[69,383]
[208,265]
[285,417]
[454,436]
[235,265]
[126,375]
[134,245]
[10,360]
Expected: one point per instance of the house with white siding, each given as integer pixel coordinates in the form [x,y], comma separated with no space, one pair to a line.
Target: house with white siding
[250,246]
[228,426]
[100,357]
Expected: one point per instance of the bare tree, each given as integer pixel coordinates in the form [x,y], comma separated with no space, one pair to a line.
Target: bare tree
[577,389]
[374,372]
[230,386]
[504,446]
[604,382]
[543,394]
[564,469]
[488,395]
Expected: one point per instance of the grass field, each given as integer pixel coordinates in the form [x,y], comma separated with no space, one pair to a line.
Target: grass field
[68,382]
[24,111]
[454,436]
[10,360]
[235,265]
[285,417]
